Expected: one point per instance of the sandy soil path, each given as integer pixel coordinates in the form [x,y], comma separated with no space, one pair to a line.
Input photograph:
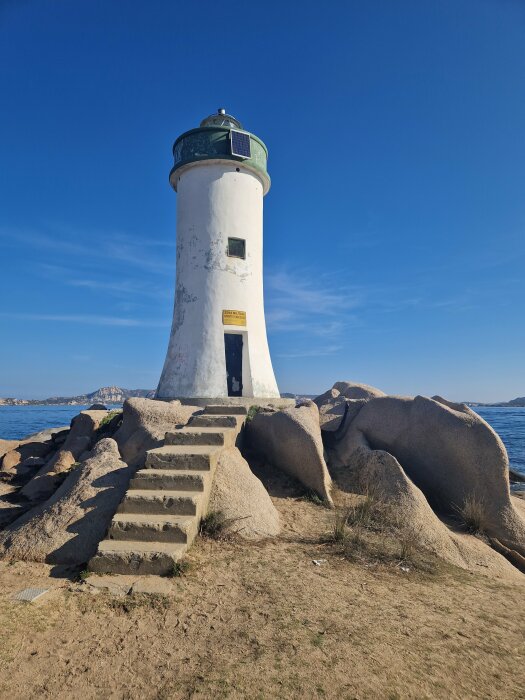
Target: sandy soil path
[263,621]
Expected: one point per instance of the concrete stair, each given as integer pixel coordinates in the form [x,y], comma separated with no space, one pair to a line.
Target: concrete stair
[212,409]
[159,517]
[153,527]
[202,436]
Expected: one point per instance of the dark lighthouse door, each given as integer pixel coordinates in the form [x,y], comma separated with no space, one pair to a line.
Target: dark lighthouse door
[233,351]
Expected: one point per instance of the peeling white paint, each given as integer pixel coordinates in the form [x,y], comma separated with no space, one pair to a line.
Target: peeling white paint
[217,199]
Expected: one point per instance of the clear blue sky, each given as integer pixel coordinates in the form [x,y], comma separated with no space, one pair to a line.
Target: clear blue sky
[394,229]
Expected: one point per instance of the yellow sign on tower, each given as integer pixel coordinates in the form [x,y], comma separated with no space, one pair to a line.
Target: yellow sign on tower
[233,318]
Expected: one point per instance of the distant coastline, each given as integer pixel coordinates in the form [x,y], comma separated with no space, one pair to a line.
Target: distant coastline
[105,395]
[117,395]
[514,403]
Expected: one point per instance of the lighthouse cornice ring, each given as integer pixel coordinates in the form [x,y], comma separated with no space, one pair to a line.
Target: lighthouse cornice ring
[177,171]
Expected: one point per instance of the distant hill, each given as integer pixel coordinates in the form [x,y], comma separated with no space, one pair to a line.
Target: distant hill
[105,395]
[519,402]
[516,403]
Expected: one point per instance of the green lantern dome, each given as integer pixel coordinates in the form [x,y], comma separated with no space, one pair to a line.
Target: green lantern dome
[220,137]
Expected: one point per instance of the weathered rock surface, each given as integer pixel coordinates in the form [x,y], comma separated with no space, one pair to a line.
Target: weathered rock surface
[145,423]
[242,498]
[378,474]
[7,445]
[47,434]
[332,409]
[447,450]
[24,450]
[291,440]
[79,439]
[354,390]
[336,412]
[333,405]
[67,528]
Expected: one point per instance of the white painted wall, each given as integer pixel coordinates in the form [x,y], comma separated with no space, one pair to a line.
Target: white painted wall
[215,202]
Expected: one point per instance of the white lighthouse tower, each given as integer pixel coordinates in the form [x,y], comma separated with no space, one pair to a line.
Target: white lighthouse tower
[218,346]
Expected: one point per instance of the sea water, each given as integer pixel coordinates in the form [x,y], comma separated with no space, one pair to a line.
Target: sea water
[509,423]
[18,421]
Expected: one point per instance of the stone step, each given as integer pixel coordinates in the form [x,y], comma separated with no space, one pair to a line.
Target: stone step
[153,528]
[212,421]
[171,479]
[201,436]
[169,501]
[226,410]
[135,557]
[183,457]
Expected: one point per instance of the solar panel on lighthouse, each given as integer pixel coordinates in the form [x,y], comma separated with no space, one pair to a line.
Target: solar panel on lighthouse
[240,144]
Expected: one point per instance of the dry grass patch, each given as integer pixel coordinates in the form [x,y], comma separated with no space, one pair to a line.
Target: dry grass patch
[472,514]
[216,526]
[369,531]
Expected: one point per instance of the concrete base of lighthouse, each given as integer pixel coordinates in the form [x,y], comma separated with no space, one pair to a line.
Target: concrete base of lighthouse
[247,401]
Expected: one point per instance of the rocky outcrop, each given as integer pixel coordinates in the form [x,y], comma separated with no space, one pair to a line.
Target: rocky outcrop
[145,423]
[7,446]
[242,499]
[28,455]
[447,450]
[291,440]
[354,390]
[79,440]
[332,409]
[23,451]
[378,475]
[38,445]
[335,403]
[67,528]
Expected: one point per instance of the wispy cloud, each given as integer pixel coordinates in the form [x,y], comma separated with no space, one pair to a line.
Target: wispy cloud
[318,311]
[301,292]
[317,352]
[90,319]
[103,246]
[312,310]
[128,287]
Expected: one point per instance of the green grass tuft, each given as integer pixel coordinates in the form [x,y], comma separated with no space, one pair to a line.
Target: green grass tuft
[180,568]
[213,525]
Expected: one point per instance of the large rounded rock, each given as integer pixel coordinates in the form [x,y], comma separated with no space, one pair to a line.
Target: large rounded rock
[334,404]
[67,528]
[79,439]
[291,440]
[447,450]
[354,390]
[242,499]
[25,450]
[332,409]
[7,446]
[34,446]
[145,422]
[379,475]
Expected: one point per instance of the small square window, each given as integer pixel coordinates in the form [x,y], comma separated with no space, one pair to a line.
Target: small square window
[237,248]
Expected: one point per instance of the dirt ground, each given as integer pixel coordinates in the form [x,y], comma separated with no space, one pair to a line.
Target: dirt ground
[264,621]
